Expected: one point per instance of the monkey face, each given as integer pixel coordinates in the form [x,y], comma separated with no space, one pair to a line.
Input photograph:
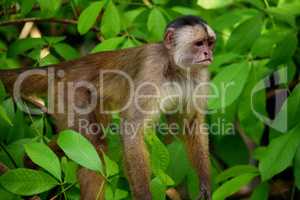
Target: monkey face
[192,46]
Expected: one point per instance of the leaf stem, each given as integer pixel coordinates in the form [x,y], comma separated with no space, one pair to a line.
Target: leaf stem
[63,191]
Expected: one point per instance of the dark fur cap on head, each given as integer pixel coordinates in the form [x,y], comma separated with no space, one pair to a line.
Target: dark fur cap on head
[187,20]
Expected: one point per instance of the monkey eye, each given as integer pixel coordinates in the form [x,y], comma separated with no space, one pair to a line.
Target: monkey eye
[210,43]
[199,43]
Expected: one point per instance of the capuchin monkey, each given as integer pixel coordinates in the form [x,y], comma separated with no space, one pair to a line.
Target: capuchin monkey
[170,77]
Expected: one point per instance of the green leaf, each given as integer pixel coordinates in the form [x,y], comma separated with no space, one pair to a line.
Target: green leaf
[120,194]
[297,168]
[38,126]
[224,59]
[27,182]
[208,4]
[159,154]
[232,186]
[88,17]
[229,155]
[3,93]
[70,170]
[66,51]
[235,171]
[284,50]
[259,152]
[131,15]
[193,185]
[233,18]
[26,6]
[128,43]
[48,60]
[108,192]
[262,46]
[178,158]
[186,10]
[157,189]
[279,154]
[79,149]
[228,84]
[111,22]
[49,7]
[23,45]
[287,8]
[109,44]
[250,101]
[4,194]
[289,111]
[44,157]
[111,167]
[54,39]
[165,179]
[162,2]
[261,192]
[243,36]
[156,24]
[4,116]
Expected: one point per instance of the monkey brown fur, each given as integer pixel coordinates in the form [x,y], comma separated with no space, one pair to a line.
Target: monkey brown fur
[180,60]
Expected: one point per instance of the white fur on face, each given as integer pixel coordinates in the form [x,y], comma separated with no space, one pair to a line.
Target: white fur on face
[184,38]
[210,32]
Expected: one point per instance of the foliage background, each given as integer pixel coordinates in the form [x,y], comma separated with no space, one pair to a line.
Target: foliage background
[256,39]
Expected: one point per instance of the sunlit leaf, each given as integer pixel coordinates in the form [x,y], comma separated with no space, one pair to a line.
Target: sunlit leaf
[243,36]
[159,154]
[228,85]
[156,24]
[232,186]
[79,149]
[88,17]
[111,22]
[109,44]
[43,156]
[235,171]
[209,4]
[120,194]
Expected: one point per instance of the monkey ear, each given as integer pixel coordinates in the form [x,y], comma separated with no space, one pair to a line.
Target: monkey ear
[169,37]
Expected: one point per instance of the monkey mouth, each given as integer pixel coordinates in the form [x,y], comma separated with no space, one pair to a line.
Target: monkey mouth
[204,61]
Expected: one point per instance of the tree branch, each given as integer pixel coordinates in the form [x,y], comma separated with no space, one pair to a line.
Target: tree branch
[41,20]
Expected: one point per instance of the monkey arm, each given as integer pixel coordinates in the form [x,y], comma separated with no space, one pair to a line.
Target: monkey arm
[136,159]
[134,120]
[197,145]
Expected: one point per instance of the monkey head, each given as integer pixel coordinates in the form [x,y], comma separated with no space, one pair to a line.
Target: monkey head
[190,42]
